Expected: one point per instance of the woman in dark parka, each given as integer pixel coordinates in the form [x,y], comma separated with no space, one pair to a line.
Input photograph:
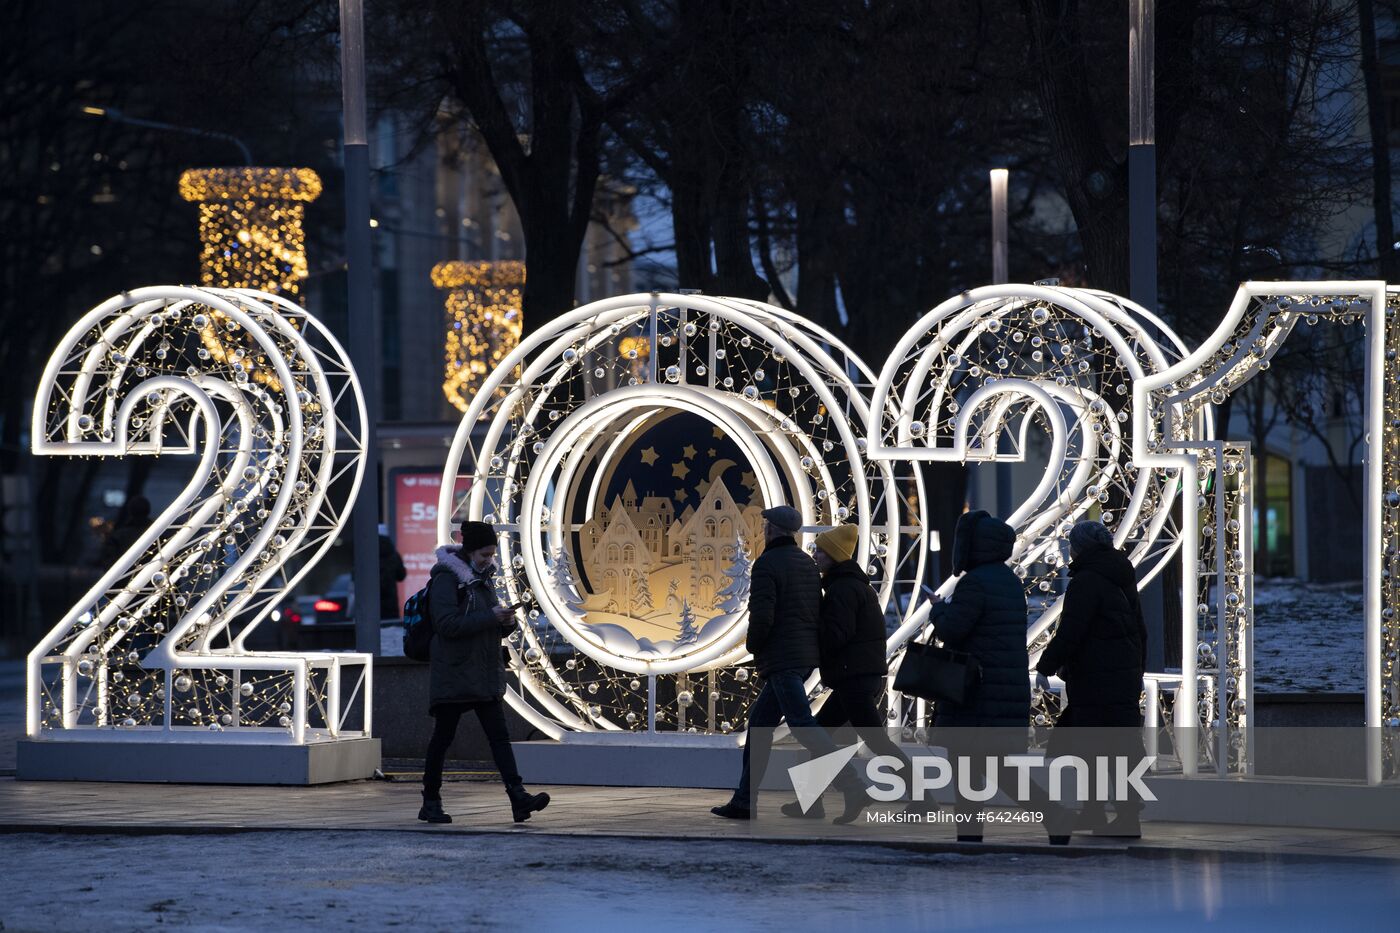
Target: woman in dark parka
[1100,651]
[467,672]
[1100,645]
[985,617]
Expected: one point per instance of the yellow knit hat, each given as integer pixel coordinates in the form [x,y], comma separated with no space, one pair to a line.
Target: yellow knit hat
[839,542]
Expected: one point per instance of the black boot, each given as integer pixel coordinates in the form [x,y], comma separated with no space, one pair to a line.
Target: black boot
[523,803]
[856,800]
[926,807]
[732,811]
[969,825]
[1126,825]
[432,812]
[1093,818]
[794,809]
[1059,823]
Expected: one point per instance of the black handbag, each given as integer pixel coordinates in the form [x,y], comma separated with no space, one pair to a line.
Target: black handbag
[935,673]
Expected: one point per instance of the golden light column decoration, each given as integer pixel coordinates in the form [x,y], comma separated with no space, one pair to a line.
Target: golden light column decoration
[484,321]
[250,225]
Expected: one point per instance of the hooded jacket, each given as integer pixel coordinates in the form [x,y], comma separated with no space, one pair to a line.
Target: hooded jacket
[1100,645]
[852,626]
[986,617]
[785,597]
[466,665]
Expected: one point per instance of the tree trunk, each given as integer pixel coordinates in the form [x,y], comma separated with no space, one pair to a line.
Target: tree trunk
[734,269]
[552,177]
[945,487]
[549,281]
[818,214]
[1095,181]
[692,231]
[764,245]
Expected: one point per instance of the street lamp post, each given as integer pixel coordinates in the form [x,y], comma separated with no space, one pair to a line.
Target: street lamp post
[1000,275]
[998,177]
[1142,203]
[1142,158]
[363,342]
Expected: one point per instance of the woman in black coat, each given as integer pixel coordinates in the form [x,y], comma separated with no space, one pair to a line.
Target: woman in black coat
[1100,651]
[1100,645]
[467,671]
[985,617]
[853,663]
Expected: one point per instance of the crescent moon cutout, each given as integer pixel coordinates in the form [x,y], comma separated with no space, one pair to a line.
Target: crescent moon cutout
[718,469]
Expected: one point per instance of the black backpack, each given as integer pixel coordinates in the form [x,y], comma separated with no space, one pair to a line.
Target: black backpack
[418,622]
[418,626]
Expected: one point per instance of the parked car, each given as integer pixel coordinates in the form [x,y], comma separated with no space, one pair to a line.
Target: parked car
[338,603]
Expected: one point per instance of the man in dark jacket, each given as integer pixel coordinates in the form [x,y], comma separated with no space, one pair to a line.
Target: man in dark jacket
[783,637]
[391,573]
[1100,651]
[985,617]
[467,672]
[132,522]
[852,642]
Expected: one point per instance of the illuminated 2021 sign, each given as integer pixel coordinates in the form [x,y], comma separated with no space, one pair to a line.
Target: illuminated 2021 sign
[623,453]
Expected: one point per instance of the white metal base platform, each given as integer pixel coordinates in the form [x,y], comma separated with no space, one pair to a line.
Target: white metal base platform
[324,762]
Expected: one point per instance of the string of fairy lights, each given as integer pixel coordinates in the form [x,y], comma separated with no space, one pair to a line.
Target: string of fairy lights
[656,349]
[484,321]
[265,400]
[251,225]
[1225,513]
[1041,374]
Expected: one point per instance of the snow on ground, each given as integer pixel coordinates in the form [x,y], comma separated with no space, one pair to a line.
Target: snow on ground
[1308,637]
[541,883]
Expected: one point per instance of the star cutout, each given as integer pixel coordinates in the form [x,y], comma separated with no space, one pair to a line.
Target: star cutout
[689,452]
[711,451]
[649,456]
[679,470]
[749,480]
[702,487]
[719,432]
[681,495]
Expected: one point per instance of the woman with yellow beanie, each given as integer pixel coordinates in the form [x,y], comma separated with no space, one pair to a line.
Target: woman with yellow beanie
[852,649]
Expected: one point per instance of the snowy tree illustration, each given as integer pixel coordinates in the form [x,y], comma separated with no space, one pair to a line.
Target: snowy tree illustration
[736,592]
[689,635]
[564,584]
[641,600]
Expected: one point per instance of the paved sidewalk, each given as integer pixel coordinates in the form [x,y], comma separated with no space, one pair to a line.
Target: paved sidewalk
[592,811]
[11,711]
